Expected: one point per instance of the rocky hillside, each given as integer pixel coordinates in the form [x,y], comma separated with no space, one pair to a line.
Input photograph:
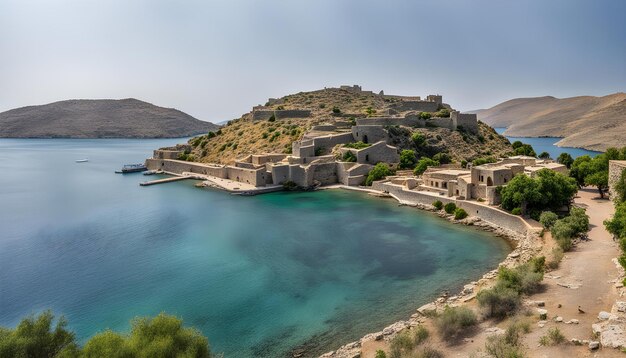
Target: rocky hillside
[244,136]
[126,118]
[594,123]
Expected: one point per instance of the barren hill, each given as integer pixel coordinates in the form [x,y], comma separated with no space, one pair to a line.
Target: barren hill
[335,107]
[106,118]
[594,123]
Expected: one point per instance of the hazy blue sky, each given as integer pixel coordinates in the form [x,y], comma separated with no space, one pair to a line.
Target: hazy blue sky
[215,59]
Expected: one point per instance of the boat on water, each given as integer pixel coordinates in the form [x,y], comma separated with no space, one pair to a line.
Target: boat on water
[82,160]
[132,168]
[150,172]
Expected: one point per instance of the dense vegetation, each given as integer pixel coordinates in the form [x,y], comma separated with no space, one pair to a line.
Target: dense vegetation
[380,171]
[161,336]
[548,190]
[595,171]
[617,224]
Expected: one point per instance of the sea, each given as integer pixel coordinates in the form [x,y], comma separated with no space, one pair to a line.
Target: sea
[259,276]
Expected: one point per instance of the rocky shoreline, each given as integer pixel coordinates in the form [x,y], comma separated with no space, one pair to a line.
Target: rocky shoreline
[526,245]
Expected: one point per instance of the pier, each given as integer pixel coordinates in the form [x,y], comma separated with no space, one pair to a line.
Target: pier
[165,180]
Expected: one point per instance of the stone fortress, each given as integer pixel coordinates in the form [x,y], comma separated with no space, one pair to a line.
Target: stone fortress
[316,158]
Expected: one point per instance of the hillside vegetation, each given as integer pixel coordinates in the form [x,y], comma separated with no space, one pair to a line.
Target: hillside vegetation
[243,136]
[594,123]
[126,118]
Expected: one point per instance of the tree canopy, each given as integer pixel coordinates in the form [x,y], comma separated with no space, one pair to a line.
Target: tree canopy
[423,164]
[595,171]
[565,159]
[162,336]
[547,190]
[379,171]
[407,159]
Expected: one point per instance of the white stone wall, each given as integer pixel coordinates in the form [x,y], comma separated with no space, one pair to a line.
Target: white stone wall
[616,167]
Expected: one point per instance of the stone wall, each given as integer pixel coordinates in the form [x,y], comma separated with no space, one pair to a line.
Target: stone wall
[378,152]
[489,214]
[256,177]
[468,121]
[616,167]
[390,121]
[261,115]
[292,113]
[420,106]
[369,133]
[260,159]
[166,154]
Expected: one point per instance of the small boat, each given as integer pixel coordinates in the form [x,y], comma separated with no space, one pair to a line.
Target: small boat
[132,168]
[150,172]
[82,160]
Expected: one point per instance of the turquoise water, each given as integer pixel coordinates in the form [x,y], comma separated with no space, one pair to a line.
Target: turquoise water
[547,144]
[258,275]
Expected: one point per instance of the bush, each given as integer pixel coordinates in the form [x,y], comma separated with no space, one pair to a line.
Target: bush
[553,337]
[407,159]
[459,214]
[418,139]
[421,335]
[548,218]
[442,158]
[449,208]
[453,320]
[516,211]
[401,344]
[423,164]
[507,345]
[523,278]
[544,155]
[425,115]
[380,171]
[336,110]
[438,205]
[211,135]
[429,352]
[499,301]
[349,157]
[555,258]
[356,145]
[380,354]
[272,118]
[568,228]
[443,113]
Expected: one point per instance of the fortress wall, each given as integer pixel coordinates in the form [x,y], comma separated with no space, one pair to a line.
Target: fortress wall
[324,127]
[280,173]
[166,154]
[468,121]
[441,122]
[256,177]
[385,121]
[261,114]
[486,213]
[298,175]
[260,159]
[379,152]
[616,167]
[420,106]
[369,133]
[292,113]
[325,173]
[328,142]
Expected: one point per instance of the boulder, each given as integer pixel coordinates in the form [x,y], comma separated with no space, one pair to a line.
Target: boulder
[613,336]
[603,315]
[594,345]
[543,313]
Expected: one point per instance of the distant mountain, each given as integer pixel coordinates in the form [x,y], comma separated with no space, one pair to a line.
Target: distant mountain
[101,118]
[594,123]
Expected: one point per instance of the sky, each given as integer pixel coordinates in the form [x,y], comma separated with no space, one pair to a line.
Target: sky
[217,59]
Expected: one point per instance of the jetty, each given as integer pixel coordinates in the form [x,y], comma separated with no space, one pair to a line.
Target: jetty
[165,180]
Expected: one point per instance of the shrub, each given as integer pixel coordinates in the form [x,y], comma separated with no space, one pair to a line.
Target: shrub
[547,219]
[322,105]
[290,185]
[349,157]
[380,171]
[442,158]
[401,344]
[544,155]
[566,229]
[336,110]
[453,320]
[443,113]
[523,278]
[459,214]
[516,211]
[438,205]
[356,145]
[219,132]
[429,352]
[425,115]
[211,135]
[499,301]
[507,345]
[418,139]
[272,118]
[407,159]
[421,335]
[555,258]
[423,164]
[553,337]
[380,354]
[565,159]
[449,208]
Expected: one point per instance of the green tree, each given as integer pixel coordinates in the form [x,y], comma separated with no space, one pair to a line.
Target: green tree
[520,192]
[107,344]
[423,164]
[36,337]
[547,190]
[380,171]
[579,169]
[620,188]
[418,139]
[544,155]
[547,219]
[407,159]
[565,159]
[442,158]
[617,224]
[525,149]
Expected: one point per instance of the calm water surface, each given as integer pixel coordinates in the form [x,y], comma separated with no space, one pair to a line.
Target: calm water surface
[547,144]
[258,275]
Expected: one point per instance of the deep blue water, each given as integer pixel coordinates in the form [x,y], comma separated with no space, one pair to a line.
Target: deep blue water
[547,144]
[258,275]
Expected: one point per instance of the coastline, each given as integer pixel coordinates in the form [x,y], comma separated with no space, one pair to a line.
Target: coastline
[524,246]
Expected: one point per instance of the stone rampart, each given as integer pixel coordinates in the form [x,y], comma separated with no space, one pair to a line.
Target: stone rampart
[489,214]
[262,114]
[369,133]
[616,167]
[166,154]
[467,121]
[420,106]
[256,177]
[292,113]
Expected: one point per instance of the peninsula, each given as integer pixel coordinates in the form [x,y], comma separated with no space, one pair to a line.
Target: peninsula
[102,118]
[593,123]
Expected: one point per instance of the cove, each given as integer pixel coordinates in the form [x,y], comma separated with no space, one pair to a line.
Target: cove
[547,144]
[259,276]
